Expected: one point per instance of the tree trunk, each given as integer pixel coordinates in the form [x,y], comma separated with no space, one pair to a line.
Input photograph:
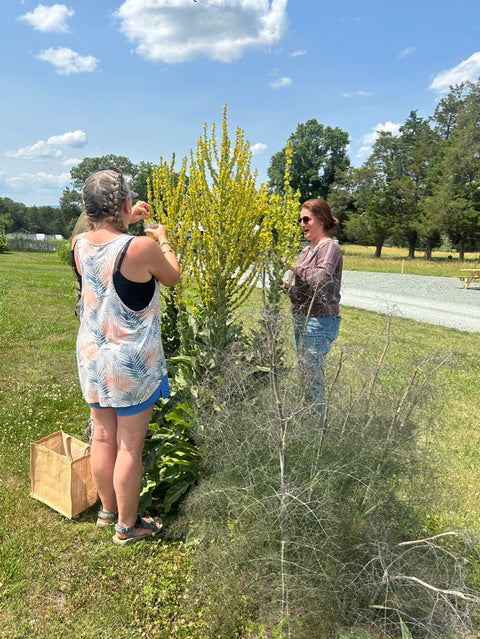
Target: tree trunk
[378,250]
[412,238]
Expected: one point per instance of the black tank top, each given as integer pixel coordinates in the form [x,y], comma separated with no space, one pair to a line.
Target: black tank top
[135,295]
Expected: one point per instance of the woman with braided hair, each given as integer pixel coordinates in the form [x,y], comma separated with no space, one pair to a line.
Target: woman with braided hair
[120,357]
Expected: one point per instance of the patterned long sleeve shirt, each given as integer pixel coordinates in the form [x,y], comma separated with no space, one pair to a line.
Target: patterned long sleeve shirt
[315,287]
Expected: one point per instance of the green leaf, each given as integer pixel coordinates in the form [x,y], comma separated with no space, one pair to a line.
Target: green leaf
[406,634]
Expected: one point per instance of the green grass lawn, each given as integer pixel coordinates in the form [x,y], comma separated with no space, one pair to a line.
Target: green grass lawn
[394,260]
[62,578]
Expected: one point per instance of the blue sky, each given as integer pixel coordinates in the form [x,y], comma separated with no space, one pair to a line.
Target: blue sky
[140,78]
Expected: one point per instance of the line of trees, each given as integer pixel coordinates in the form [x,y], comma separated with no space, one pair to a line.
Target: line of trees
[61,220]
[417,189]
[421,185]
[36,219]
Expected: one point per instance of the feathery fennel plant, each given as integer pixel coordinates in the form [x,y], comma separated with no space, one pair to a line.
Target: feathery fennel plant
[307,526]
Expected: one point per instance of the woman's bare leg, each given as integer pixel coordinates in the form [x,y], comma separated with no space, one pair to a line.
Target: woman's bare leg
[103,455]
[116,460]
[127,477]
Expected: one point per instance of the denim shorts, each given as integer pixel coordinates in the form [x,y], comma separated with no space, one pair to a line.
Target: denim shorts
[163,390]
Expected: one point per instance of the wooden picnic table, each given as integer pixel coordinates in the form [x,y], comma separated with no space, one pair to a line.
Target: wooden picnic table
[472,275]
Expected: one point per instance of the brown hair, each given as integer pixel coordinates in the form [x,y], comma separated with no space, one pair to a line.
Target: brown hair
[321,211]
[104,193]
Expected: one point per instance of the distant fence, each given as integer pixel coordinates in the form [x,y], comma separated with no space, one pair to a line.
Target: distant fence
[39,246]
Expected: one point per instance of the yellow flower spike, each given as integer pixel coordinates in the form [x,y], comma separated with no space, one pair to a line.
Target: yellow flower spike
[222,223]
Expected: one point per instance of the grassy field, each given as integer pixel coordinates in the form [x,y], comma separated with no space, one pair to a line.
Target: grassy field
[62,578]
[394,260]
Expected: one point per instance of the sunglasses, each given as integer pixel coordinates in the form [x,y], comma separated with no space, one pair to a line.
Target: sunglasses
[304,219]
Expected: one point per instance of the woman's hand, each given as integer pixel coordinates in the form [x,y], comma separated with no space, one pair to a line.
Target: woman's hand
[157,233]
[287,281]
[140,211]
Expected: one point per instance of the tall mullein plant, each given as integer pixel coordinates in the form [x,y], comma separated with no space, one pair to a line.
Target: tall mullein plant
[226,215]
[166,195]
[167,190]
[283,217]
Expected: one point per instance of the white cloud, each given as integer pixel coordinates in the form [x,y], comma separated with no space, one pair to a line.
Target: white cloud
[39,179]
[71,138]
[369,139]
[406,52]
[71,162]
[67,61]
[258,148]
[363,152]
[46,19]
[468,70]
[298,53]
[361,94]
[35,188]
[48,149]
[281,83]
[37,151]
[175,31]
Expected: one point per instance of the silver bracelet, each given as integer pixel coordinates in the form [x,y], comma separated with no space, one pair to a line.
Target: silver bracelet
[165,242]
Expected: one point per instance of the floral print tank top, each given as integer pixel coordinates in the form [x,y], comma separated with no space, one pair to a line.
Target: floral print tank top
[119,350]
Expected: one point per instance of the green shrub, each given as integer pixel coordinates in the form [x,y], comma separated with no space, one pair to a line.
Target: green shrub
[63,252]
[3,243]
[171,460]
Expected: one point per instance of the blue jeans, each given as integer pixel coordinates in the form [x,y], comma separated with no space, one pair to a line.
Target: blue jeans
[313,338]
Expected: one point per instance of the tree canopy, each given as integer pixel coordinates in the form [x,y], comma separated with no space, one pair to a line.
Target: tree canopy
[421,185]
[317,153]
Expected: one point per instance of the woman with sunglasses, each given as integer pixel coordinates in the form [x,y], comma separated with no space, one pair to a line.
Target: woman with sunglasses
[313,284]
[120,357]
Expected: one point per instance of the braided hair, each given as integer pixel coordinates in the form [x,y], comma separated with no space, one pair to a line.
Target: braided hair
[104,193]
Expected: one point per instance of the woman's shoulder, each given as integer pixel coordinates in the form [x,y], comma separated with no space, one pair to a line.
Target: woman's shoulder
[142,246]
[330,244]
[142,242]
[75,239]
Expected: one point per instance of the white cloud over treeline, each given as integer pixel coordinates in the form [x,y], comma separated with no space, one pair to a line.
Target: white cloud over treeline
[258,148]
[467,71]
[360,94]
[368,140]
[39,179]
[407,52]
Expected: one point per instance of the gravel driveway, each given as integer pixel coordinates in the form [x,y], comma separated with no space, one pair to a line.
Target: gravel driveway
[435,300]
